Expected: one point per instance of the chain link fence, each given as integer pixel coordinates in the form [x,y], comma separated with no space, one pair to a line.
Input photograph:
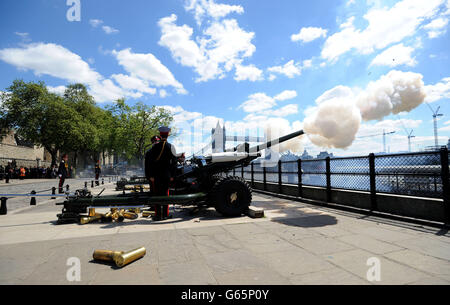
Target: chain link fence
[416,174]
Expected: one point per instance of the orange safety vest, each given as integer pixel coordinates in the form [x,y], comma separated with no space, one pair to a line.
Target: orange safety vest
[22,172]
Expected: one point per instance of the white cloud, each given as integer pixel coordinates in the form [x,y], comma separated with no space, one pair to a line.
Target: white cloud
[95,22]
[109,30]
[249,72]
[272,77]
[258,102]
[208,8]
[284,111]
[395,56]
[309,34]
[25,36]
[106,28]
[106,90]
[436,27]
[57,90]
[286,95]
[436,24]
[438,91]
[147,67]
[290,69]
[385,26]
[133,83]
[57,61]
[50,59]
[260,105]
[445,128]
[222,46]
[162,93]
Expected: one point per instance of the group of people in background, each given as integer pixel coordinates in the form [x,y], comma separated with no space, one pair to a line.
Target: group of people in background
[12,171]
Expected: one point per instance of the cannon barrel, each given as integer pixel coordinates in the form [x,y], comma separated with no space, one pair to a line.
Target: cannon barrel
[270,143]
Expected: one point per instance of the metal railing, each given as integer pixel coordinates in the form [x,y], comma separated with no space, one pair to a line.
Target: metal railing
[420,174]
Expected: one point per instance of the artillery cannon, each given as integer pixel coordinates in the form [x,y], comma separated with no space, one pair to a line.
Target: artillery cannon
[197,182]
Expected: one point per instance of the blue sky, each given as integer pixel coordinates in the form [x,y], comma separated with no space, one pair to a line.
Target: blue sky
[244,63]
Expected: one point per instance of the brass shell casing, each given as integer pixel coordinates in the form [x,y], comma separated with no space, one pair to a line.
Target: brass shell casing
[91,211]
[130,215]
[88,219]
[147,213]
[106,255]
[128,257]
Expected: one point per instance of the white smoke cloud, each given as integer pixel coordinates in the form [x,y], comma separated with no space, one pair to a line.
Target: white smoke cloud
[393,93]
[336,119]
[334,123]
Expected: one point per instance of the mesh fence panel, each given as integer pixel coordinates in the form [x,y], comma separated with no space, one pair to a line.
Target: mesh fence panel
[409,174]
[350,173]
[416,174]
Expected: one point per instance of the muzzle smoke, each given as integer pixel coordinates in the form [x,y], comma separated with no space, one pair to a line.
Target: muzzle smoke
[336,119]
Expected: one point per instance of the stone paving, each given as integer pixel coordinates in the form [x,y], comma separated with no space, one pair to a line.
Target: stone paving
[295,243]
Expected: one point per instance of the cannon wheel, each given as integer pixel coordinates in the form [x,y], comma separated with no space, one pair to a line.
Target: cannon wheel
[231,196]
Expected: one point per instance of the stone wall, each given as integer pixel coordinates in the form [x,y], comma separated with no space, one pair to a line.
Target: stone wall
[24,155]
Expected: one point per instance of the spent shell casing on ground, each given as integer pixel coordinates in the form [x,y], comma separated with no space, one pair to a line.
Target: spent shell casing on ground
[128,257]
[147,213]
[106,255]
[88,219]
[130,215]
[91,211]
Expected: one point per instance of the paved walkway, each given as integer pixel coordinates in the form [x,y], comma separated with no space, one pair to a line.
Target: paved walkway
[295,243]
[41,186]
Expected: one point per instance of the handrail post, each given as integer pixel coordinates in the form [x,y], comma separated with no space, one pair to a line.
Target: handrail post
[279,177]
[299,174]
[33,199]
[373,186]
[252,173]
[445,176]
[264,179]
[328,178]
[3,208]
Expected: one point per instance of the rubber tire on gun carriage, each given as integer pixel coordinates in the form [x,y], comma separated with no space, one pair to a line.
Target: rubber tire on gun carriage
[231,196]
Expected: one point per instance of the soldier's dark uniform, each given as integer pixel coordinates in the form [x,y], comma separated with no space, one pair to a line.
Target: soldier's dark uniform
[161,164]
[97,173]
[63,173]
[8,171]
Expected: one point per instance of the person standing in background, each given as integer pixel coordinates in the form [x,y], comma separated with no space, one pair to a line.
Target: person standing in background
[98,170]
[63,172]
[8,171]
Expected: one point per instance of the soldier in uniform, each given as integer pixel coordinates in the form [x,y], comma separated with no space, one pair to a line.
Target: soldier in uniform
[8,172]
[160,169]
[98,170]
[63,172]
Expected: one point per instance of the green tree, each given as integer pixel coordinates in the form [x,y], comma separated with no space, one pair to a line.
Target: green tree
[40,117]
[135,127]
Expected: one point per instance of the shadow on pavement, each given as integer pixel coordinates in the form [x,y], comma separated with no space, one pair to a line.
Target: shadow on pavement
[308,222]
